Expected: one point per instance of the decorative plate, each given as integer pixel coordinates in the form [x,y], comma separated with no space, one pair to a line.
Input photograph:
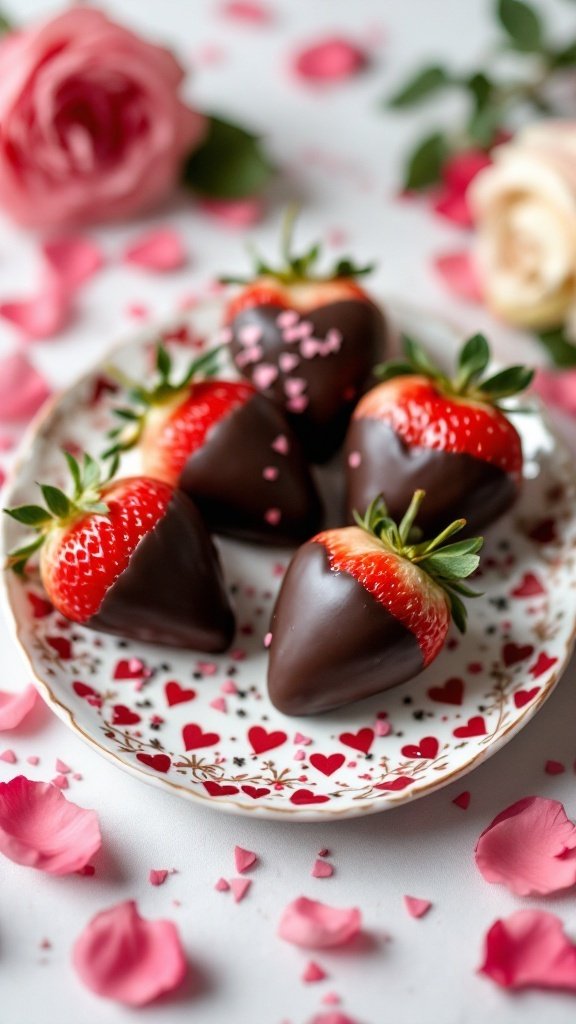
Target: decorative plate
[204,728]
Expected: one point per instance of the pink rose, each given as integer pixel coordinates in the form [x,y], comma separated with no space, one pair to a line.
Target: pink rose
[91,123]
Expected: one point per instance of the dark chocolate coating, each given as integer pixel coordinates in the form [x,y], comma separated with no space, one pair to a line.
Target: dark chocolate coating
[333,382]
[172,591]
[332,642]
[457,485]
[225,478]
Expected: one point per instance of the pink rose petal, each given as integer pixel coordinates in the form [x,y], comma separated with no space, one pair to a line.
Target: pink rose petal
[333,1018]
[22,389]
[558,389]
[74,259]
[157,876]
[315,925]
[459,275]
[333,59]
[42,315]
[124,957]
[222,885]
[248,11]
[416,907]
[161,250]
[8,756]
[322,869]
[40,828]
[530,847]
[15,706]
[62,767]
[243,859]
[235,213]
[530,950]
[61,781]
[313,972]
[239,887]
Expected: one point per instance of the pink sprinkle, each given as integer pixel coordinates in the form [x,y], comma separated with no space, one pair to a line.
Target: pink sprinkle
[219,704]
[270,473]
[332,59]
[61,781]
[264,375]
[250,334]
[157,877]
[304,741]
[243,859]
[267,639]
[287,318]
[228,686]
[554,768]
[221,885]
[354,460]
[310,347]
[331,999]
[288,361]
[324,852]
[33,759]
[280,445]
[298,331]
[138,311]
[239,888]
[62,767]
[382,728]
[322,869]
[416,907]
[300,755]
[334,340]
[313,972]
[77,777]
[273,516]
[248,356]
[9,757]
[298,404]
[207,668]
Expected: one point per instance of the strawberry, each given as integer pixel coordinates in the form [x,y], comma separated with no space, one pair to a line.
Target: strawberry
[227,447]
[129,556]
[363,608]
[308,341]
[419,428]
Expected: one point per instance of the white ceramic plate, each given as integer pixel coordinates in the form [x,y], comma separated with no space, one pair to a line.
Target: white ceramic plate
[204,728]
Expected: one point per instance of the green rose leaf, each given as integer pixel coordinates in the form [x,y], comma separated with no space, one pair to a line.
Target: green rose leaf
[560,349]
[5,25]
[522,23]
[426,162]
[423,84]
[230,163]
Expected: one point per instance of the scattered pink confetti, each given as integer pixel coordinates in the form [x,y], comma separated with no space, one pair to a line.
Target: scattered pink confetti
[74,259]
[315,925]
[42,315]
[331,999]
[313,972]
[333,59]
[332,1018]
[322,869]
[14,707]
[273,516]
[161,250]
[249,11]
[558,389]
[235,213]
[244,859]
[219,704]
[22,389]
[239,887]
[459,275]
[222,885]
[8,756]
[267,640]
[40,828]
[530,950]
[125,957]
[88,871]
[462,800]
[33,759]
[61,781]
[303,741]
[554,768]
[416,907]
[62,767]
[157,876]
[229,686]
[530,847]
[382,728]
[281,445]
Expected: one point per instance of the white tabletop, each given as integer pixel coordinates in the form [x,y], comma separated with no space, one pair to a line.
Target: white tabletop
[341,155]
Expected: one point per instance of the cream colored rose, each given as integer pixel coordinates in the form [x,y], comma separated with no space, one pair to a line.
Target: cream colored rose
[525,211]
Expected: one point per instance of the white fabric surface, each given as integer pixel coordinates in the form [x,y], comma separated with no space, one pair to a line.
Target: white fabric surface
[425,970]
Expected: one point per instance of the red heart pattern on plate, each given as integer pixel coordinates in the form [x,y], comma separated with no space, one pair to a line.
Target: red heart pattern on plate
[427,748]
[194,738]
[254,792]
[176,694]
[513,653]
[220,789]
[395,785]
[452,692]
[159,762]
[121,715]
[523,697]
[305,796]
[361,740]
[261,740]
[529,586]
[327,763]
[475,726]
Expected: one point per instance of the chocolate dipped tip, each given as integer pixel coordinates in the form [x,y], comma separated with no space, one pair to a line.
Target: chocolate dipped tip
[332,642]
[172,591]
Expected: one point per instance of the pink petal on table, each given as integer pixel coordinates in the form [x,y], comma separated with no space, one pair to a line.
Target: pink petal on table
[222,885]
[235,213]
[22,389]
[558,389]
[247,10]
[243,859]
[454,207]
[313,972]
[157,876]
[530,848]
[333,59]
[8,756]
[122,956]
[334,1017]
[530,950]
[322,869]
[74,259]
[42,315]
[15,706]
[315,925]
[40,828]
[459,275]
[460,169]
[239,887]
[416,907]
[161,249]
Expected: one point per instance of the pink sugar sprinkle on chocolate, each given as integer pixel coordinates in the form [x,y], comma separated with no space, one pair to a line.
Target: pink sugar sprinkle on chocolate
[267,640]
[249,355]
[288,361]
[249,334]
[157,876]
[9,757]
[294,386]
[222,885]
[313,972]
[298,404]
[322,869]
[244,859]
[310,347]
[354,460]
[281,445]
[62,767]
[270,472]
[264,375]
[239,888]
[273,516]
[297,332]
[287,318]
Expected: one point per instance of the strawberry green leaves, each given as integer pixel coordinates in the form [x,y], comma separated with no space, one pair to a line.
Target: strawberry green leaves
[522,24]
[447,564]
[229,164]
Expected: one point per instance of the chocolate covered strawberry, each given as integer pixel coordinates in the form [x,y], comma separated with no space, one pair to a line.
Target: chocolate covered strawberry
[228,448]
[129,556]
[309,341]
[451,436]
[363,608]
